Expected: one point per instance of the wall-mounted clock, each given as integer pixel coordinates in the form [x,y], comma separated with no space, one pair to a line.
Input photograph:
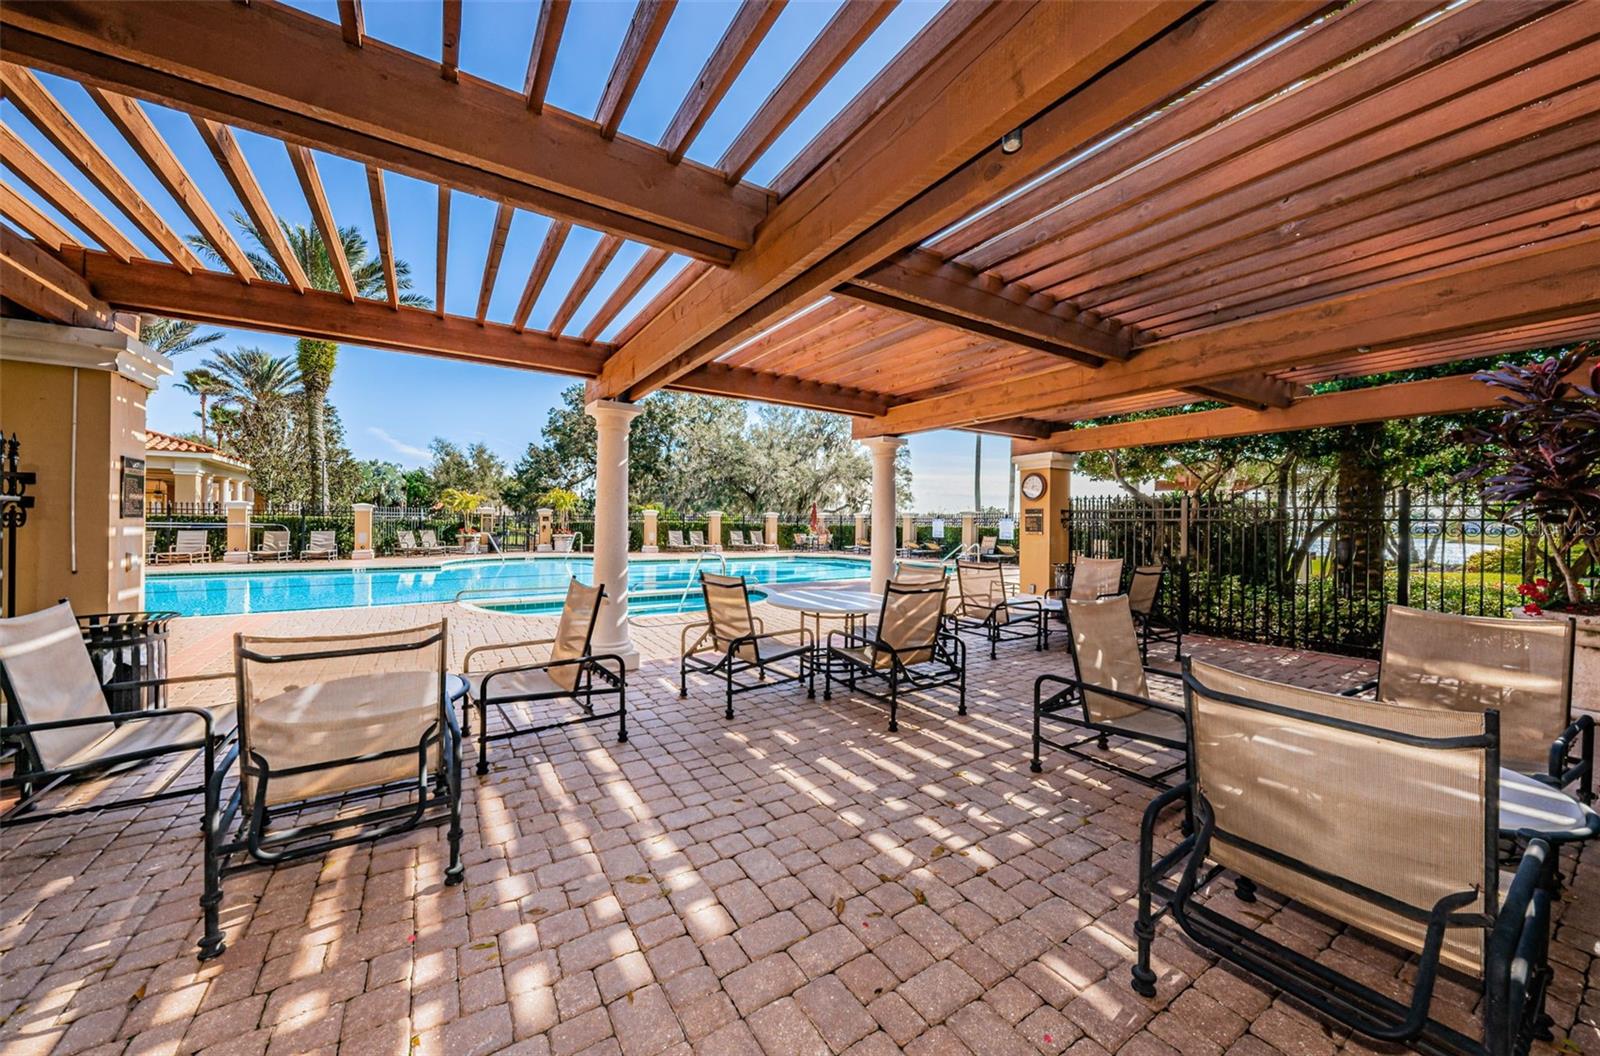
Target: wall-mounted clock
[1033,486]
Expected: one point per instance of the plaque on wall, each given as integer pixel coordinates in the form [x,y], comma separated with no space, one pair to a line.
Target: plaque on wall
[1033,522]
[132,486]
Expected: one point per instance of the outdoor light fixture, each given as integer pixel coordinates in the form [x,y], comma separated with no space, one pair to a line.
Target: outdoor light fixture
[1011,142]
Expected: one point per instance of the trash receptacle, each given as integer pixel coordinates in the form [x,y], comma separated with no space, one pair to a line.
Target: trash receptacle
[128,647]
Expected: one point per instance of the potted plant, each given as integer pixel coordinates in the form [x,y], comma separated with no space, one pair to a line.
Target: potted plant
[464,504]
[561,502]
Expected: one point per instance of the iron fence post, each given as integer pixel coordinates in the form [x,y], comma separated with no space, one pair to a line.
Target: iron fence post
[1402,590]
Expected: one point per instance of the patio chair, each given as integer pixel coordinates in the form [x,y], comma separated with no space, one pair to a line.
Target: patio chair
[986,544]
[758,541]
[430,542]
[1521,668]
[983,603]
[406,542]
[1144,598]
[1089,578]
[58,717]
[697,541]
[342,740]
[909,649]
[733,642]
[152,556]
[675,542]
[322,544]
[571,673]
[1004,552]
[930,548]
[274,546]
[1381,819]
[1109,695]
[736,540]
[190,546]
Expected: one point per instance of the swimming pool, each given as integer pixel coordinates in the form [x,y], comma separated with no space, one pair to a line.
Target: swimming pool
[491,581]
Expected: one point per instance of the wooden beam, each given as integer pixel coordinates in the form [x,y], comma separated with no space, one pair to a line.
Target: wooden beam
[542,59]
[719,379]
[1381,403]
[1070,72]
[45,286]
[491,263]
[539,274]
[951,320]
[225,149]
[1542,283]
[744,34]
[135,125]
[380,223]
[305,169]
[62,196]
[441,257]
[21,212]
[450,42]
[650,19]
[845,32]
[352,23]
[58,126]
[1254,390]
[603,253]
[648,264]
[275,70]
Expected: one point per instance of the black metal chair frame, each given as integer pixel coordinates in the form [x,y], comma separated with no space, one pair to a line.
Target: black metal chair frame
[1060,705]
[252,845]
[604,675]
[949,653]
[1153,627]
[1030,624]
[727,665]
[1516,973]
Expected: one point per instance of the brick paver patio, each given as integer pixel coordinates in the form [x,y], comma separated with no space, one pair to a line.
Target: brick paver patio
[795,881]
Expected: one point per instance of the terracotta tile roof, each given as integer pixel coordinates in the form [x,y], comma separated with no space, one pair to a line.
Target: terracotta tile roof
[154,441]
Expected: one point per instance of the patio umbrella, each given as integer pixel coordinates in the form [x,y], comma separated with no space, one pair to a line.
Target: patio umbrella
[816,521]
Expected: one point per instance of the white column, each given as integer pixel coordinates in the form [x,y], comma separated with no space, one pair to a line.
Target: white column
[883,450]
[611,419]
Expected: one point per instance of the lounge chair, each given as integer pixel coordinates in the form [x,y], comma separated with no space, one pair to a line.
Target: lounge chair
[571,673]
[1005,552]
[1109,695]
[736,540]
[758,541]
[986,545]
[60,720]
[190,547]
[1522,668]
[322,544]
[909,649]
[274,546]
[341,740]
[1382,820]
[430,542]
[732,642]
[985,604]
[675,542]
[406,542]
[152,556]
[697,541]
[1144,598]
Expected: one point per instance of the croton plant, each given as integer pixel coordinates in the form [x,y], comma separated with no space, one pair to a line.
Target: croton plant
[1542,460]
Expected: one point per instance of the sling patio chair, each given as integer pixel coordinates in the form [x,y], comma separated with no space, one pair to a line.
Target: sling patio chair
[1144,598]
[986,545]
[1004,552]
[697,541]
[758,541]
[1087,578]
[733,642]
[736,540]
[571,673]
[909,649]
[274,546]
[1382,819]
[675,542]
[430,542]
[189,547]
[1109,695]
[1521,668]
[342,740]
[322,544]
[983,603]
[57,715]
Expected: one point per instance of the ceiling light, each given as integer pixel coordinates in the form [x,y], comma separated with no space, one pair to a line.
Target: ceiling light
[1011,142]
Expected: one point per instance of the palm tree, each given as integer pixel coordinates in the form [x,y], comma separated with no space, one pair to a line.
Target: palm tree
[316,359]
[173,337]
[252,380]
[206,385]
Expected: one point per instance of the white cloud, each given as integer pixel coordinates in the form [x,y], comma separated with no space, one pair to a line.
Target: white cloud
[400,446]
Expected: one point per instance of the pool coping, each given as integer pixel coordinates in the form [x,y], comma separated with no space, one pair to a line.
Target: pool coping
[440,562]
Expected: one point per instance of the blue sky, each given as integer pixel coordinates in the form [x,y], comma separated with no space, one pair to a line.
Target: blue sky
[393,404]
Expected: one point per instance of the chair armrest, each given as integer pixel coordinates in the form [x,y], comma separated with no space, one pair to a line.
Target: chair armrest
[849,637]
[116,718]
[806,637]
[466,661]
[1369,686]
[1128,698]
[683,636]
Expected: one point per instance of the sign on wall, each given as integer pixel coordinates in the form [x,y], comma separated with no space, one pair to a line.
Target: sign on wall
[938,528]
[132,486]
[1008,529]
[1033,521]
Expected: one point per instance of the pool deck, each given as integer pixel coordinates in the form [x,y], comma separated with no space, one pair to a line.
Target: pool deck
[434,561]
[794,881]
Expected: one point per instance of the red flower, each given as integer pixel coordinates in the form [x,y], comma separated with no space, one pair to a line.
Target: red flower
[1524,589]
[1532,610]
[1542,583]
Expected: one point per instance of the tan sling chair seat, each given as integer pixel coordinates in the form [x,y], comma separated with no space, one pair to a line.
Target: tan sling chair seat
[733,641]
[909,648]
[1382,818]
[983,603]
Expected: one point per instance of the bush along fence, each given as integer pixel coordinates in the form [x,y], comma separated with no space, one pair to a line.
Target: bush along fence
[387,523]
[1287,570]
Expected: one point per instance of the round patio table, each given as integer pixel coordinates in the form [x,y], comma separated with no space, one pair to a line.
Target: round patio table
[820,604]
[1531,806]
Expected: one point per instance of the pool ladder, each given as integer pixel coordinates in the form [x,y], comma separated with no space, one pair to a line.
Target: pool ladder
[694,570]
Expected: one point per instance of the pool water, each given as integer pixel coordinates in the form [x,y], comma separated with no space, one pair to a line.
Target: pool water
[499,582]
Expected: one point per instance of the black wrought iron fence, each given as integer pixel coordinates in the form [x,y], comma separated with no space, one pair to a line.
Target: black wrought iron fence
[1317,574]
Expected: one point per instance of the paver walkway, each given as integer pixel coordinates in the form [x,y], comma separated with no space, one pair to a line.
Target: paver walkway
[794,881]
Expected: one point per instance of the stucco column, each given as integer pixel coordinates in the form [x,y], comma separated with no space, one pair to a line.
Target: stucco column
[238,533]
[187,482]
[969,535]
[714,529]
[908,530]
[611,419]
[883,450]
[651,532]
[362,548]
[861,529]
[546,534]
[769,533]
[1043,541]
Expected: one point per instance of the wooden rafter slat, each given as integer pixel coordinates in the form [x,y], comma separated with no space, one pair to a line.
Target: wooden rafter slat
[62,196]
[539,274]
[219,139]
[604,251]
[305,169]
[744,34]
[491,262]
[380,223]
[649,22]
[58,126]
[646,266]
[41,283]
[450,42]
[690,274]
[21,212]
[839,39]
[441,250]
[542,59]
[135,125]
[352,23]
